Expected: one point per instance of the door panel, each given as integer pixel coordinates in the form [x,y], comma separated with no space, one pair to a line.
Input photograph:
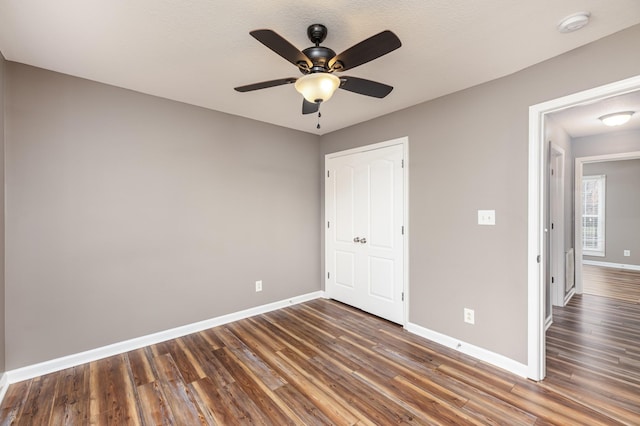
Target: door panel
[381,209]
[380,275]
[364,207]
[345,269]
[344,204]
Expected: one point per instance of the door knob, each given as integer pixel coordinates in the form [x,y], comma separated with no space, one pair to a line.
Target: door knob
[363,240]
[356,240]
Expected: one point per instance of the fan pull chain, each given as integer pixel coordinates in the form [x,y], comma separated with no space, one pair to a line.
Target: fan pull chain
[319,115]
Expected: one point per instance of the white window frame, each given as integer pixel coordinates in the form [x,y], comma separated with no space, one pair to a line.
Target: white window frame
[602,189]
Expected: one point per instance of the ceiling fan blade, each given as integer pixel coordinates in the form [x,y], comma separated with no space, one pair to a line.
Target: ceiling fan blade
[365,51]
[309,107]
[265,84]
[282,47]
[365,87]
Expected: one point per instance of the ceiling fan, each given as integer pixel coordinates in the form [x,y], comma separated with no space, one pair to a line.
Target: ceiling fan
[318,65]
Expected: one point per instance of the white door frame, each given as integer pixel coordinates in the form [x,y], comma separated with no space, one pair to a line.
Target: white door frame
[580,162]
[556,217]
[404,141]
[537,208]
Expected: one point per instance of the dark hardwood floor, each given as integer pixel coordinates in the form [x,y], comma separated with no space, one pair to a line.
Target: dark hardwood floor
[593,346]
[623,284]
[322,362]
[593,355]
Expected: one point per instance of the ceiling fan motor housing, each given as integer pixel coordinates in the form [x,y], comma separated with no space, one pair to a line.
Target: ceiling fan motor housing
[320,57]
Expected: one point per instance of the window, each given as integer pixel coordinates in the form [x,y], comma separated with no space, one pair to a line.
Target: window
[593,203]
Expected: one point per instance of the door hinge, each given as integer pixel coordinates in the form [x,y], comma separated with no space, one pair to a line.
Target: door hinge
[328,173]
[403,230]
[538,259]
[328,275]
[551,172]
[553,280]
[402,163]
[403,296]
[552,226]
[328,225]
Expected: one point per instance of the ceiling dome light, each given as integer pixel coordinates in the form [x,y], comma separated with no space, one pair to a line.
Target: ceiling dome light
[617,118]
[574,22]
[317,87]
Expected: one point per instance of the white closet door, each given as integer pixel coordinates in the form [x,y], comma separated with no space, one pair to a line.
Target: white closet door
[364,236]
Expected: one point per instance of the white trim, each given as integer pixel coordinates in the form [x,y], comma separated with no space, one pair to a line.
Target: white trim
[73,360]
[593,253]
[536,209]
[405,144]
[492,358]
[602,216]
[399,141]
[569,295]
[611,265]
[556,217]
[536,256]
[404,141]
[548,322]
[4,385]
[577,224]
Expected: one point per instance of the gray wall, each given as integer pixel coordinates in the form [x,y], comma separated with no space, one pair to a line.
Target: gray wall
[622,211]
[608,143]
[469,151]
[129,214]
[2,308]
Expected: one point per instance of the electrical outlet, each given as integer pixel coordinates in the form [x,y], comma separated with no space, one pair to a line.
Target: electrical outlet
[258,286]
[627,252]
[486,217]
[469,316]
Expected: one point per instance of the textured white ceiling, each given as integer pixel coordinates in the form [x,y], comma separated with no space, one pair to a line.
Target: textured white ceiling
[196,51]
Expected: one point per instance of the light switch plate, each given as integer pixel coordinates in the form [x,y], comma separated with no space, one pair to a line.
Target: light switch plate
[627,252]
[486,217]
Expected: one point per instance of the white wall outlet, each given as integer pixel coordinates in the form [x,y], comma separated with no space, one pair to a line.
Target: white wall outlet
[469,316]
[486,217]
[258,286]
[627,252]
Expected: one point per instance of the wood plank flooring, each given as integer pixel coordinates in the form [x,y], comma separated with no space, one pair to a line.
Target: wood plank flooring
[322,362]
[593,355]
[620,284]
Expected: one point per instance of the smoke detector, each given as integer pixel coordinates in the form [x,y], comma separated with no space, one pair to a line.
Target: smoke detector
[574,22]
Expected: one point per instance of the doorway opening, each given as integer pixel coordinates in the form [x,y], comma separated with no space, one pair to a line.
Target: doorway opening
[538,207]
[581,162]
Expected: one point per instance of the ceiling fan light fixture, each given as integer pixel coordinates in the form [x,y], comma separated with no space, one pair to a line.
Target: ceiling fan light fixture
[617,118]
[317,87]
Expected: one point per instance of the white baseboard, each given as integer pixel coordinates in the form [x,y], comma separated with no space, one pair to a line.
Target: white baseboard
[4,385]
[35,370]
[569,295]
[548,322]
[471,350]
[611,265]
